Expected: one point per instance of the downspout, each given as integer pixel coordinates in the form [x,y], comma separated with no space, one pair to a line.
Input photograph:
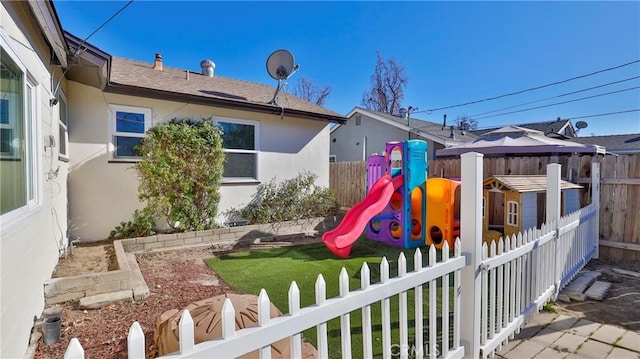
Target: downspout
[364,148]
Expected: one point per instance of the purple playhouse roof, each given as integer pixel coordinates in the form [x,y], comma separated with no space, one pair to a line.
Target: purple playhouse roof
[514,139]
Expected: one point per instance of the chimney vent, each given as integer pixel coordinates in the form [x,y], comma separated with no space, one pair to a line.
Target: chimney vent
[444,122]
[208,67]
[403,112]
[157,65]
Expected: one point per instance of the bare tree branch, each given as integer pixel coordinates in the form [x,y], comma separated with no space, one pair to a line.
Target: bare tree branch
[307,90]
[387,87]
[466,123]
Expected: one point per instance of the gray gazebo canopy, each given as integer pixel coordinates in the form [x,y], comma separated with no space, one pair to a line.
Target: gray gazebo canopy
[514,139]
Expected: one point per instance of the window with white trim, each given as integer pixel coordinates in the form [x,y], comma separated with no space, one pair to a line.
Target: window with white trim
[63,132]
[240,142]
[20,182]
[128,126]
[512,213]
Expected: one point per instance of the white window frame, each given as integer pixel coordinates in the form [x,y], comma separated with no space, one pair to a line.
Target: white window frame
[513,208]
[61,125]
[113,109]
[256,124]
[32,139]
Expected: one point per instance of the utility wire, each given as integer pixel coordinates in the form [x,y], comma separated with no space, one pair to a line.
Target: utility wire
[534,88]
[106,22]
[558,103]
[552,97]
[605,114]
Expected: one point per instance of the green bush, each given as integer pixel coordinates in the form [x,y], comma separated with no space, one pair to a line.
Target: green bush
[142,225]
[289,200]
[180,172]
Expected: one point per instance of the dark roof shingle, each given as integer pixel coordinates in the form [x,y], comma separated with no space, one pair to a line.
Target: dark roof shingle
[613,143]
[141,75]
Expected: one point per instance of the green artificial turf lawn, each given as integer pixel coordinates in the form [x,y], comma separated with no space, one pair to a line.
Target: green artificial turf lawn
[274,269]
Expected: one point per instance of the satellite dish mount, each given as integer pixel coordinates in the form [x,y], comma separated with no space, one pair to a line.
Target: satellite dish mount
[580,125]
[280,66]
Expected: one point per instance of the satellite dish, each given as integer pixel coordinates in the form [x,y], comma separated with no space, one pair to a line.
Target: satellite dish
[581,124]
[280,66]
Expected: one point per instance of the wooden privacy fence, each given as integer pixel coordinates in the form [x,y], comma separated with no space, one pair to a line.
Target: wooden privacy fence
[496,291]
[619,195]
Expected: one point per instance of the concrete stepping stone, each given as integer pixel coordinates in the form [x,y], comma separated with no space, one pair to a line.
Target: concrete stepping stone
[598,290]
[575,290]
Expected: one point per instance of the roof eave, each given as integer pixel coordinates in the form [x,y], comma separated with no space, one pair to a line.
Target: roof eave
[224,103]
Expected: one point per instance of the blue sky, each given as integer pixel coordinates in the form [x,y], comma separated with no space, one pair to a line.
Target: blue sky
[453,52]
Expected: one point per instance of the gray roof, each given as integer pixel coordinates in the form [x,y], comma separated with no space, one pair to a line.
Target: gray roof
[526,183]
[136,77]
[548,127]
[419,127]
[613,143]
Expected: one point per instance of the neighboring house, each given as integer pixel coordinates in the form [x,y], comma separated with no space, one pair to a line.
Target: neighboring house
[33,164]
[111,109]
[556,129]
[367,131]
[618,144]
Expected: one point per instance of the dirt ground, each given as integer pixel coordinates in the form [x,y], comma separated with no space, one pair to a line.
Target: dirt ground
[87,259]
[177,278]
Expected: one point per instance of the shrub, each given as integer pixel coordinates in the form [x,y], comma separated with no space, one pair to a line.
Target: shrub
[142,225]
[181,171]
[289,200]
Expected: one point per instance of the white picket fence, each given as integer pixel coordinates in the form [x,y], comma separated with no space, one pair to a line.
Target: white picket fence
[495,289]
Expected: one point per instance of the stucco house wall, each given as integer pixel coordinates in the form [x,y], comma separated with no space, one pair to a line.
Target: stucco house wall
[31,236]
[103,192]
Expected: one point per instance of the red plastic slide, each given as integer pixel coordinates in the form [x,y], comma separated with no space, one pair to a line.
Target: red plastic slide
[340,239]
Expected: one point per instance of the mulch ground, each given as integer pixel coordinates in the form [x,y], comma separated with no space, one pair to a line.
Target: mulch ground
[175,279]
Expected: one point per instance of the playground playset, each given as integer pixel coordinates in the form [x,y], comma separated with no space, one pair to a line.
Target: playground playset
[396,208]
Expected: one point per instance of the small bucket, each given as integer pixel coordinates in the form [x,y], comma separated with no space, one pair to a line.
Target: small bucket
[51,329]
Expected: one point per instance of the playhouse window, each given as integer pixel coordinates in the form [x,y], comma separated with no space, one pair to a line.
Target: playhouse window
[512,213]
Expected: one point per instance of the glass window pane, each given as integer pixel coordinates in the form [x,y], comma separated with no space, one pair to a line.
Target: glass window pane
[240,165]
[13,164]
[4,111]
[129,122]
[127,146]
[238,136]
[63,140]
[63,111]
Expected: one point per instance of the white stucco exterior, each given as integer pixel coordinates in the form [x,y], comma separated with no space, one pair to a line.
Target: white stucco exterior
[31,240]
[103,193]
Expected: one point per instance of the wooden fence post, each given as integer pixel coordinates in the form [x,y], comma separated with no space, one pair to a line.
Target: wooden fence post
[595,200]
[471,238]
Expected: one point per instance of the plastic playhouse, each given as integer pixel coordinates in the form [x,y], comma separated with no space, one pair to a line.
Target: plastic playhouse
[399,201]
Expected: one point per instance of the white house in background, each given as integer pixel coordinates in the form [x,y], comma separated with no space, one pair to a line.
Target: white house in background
[366,132]
[33,164]
[111,109]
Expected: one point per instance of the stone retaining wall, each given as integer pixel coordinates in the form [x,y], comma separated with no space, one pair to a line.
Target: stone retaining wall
[58,290]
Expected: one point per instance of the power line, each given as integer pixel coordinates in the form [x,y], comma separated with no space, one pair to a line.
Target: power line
[559,103]
[534,88]
[107,21]
[605,114]
[552,97]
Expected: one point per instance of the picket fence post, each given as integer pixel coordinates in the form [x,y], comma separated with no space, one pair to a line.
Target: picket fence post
[595,201]
[74,350]
[135,342]
[553,216]
[471,238]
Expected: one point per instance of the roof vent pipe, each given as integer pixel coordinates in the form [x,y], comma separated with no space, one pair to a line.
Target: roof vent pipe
[444,122]
[157,64]
[207,67]
[403,112]
[453,134]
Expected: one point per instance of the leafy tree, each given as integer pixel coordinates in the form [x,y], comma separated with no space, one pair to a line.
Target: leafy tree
[387,87]
[180,172]
[307,90]
[466,123]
